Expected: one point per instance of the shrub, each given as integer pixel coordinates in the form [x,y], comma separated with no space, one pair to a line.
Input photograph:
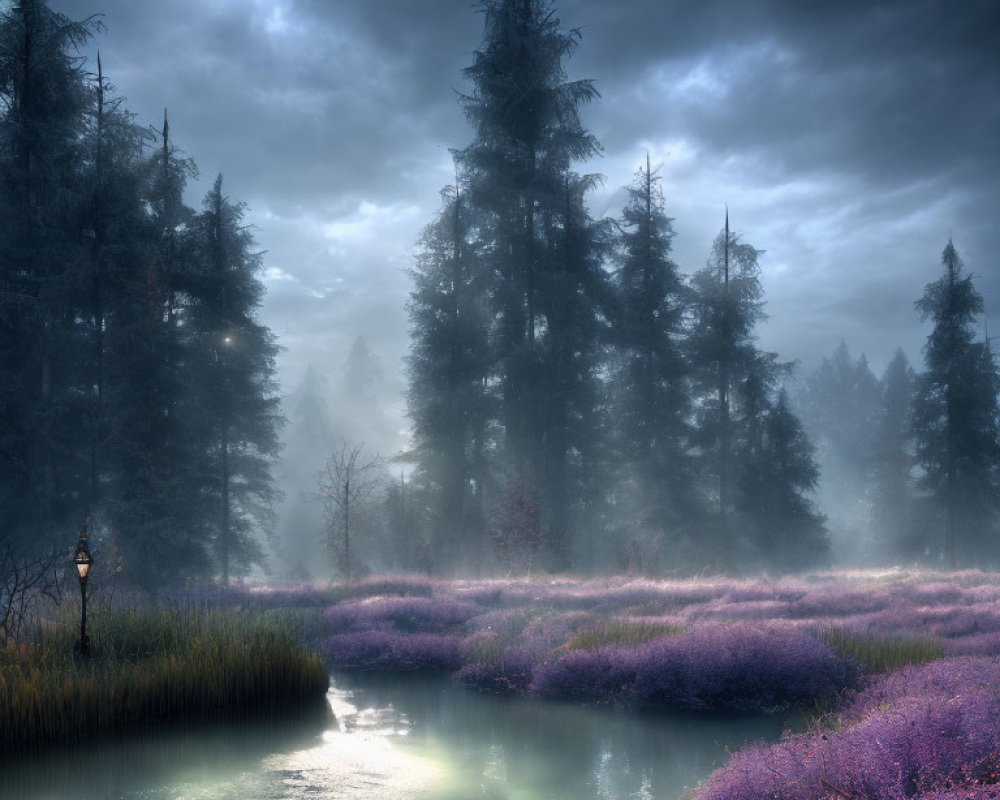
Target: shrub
[713,668]
[508,675]
[738,668]
[603,674]
[921,732]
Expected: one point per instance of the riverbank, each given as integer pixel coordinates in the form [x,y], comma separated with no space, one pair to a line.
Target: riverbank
[146,668]
[896,672]
[924,644]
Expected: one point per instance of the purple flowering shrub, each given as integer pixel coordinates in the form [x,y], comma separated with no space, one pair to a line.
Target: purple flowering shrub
[943,679]
[508,674]
[982,644]
[927,732]
[710,668]
[738,668]
[381,650]
[604,674]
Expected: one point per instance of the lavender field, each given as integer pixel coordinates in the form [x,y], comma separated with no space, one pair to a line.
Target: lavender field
[895,672]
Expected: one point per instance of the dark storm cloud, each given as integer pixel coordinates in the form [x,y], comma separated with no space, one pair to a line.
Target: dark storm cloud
[850,139]
[302,103]
[886,89]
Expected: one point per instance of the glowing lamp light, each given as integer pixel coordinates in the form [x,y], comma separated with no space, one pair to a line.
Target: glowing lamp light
[83,559]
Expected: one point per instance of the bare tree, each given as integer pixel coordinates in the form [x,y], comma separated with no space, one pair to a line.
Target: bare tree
[346,483]
[24,580]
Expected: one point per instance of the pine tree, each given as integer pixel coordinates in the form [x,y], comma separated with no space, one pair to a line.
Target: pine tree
[152,491]
[43,463]
[449,365]
[233,363]
[525,118]
[776,473]
[574,300]
[731,377]
[651,380]
[744,425]
[956,416]
[893,463]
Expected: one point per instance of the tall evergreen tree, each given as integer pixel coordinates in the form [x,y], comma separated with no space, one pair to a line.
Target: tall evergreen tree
[575,302]
[745,427]
[152,480]
[116,236]
[956,416]
[233,362]
[777,472]
[113,307]
[652,390]
[892,498]
[449,366]
[731,377]
[43,464]
[527,135]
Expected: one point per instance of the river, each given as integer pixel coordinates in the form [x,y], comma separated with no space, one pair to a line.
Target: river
[399,738]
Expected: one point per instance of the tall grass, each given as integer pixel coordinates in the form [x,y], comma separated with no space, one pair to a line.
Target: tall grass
[880,654]
[622,632]
[148,668]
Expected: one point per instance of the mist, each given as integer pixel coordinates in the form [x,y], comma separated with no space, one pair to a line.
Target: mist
[689,323]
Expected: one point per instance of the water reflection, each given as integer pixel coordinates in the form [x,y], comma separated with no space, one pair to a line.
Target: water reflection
[173,761]
[495,748]
[396,739]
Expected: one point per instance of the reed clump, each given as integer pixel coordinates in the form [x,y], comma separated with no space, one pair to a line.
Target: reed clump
[149,668]
[881,654]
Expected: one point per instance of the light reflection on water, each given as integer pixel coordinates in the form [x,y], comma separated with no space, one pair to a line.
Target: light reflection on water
[405,738]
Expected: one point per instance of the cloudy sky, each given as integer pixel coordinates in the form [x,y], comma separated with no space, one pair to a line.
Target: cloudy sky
[850,139]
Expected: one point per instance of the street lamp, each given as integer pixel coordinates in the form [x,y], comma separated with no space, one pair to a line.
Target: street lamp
[84,561]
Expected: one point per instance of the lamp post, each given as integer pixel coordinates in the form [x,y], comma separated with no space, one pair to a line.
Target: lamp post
[83,561]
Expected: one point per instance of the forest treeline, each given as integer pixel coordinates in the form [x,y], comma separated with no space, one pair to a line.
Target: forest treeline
[579,402]
[137,385]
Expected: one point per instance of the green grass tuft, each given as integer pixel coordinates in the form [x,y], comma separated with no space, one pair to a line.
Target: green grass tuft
[877,654]
[622,632]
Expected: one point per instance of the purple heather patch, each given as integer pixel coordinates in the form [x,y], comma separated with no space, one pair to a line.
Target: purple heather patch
[710,668]
[919,732]
[509,675]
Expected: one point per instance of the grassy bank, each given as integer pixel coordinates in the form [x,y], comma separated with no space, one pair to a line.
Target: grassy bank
[149,667]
